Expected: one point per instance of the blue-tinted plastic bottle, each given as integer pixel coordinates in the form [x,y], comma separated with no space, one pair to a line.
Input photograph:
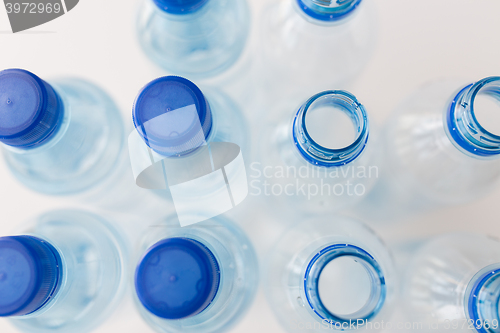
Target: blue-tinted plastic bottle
[310,46]
[453,283]
[439,144]
[193,37]
[200,278]
[59,138]
[218,119]
[64,273]
[325,158]
[330,274]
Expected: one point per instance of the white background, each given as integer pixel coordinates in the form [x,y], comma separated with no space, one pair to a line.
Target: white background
[418,41]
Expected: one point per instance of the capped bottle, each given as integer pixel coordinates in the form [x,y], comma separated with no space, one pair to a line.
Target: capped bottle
[65,272]
[201,278]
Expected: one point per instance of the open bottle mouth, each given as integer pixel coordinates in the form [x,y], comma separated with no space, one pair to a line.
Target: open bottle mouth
[472,117]
[344,284]
[331,129]
[328,10]
[483,298]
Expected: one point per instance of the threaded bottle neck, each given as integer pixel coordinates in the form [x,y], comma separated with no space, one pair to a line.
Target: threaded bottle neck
[321,154]
[482,300]
[462,125]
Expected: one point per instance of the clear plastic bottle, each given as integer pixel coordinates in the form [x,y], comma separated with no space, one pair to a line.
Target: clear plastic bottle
[330,273]
[65,272]
[176,120]
[330,41]
[195,38]
[67,138]
[174,117]
[201,278]
[438,144]
[324,159]
[59,138]
[452,283]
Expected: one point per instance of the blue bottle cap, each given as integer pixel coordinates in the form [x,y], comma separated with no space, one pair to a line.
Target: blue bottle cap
[180,7]
[30,109]
[30,271]
[177,278]
[172,116]
[328,10]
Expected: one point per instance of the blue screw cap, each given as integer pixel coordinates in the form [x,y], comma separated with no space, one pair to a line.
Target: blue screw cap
[180,7]
[177,278]
[30,109]
[30,270]
[172,116]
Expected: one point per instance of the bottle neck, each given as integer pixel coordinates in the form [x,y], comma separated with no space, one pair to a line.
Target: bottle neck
[327,11]
[482,299]
[318,154]
[180,8]
[462,125]
[366,296]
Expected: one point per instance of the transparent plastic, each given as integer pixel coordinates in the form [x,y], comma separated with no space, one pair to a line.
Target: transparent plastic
[452,284]
[82,152]
[317,165]
[296,47]
[86,156]
[93,278]
[425,158]
[321,261]
[238,274]
[198,44]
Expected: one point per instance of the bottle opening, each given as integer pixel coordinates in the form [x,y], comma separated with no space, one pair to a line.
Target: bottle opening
[330,124]
[331,129]
[473,119]
[483,299]
[344,286]
[344,283]
[487,110]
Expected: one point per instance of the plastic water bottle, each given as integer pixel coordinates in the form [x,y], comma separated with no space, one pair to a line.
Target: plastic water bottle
[67,138]
[193,37]
[325,158]
[59,138]
[200,278]
[63,273]
[443,142]
[452,283]
[330,273]
[327,40]
[214,117]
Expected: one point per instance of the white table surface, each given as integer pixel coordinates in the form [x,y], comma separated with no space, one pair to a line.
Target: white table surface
[418,41]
